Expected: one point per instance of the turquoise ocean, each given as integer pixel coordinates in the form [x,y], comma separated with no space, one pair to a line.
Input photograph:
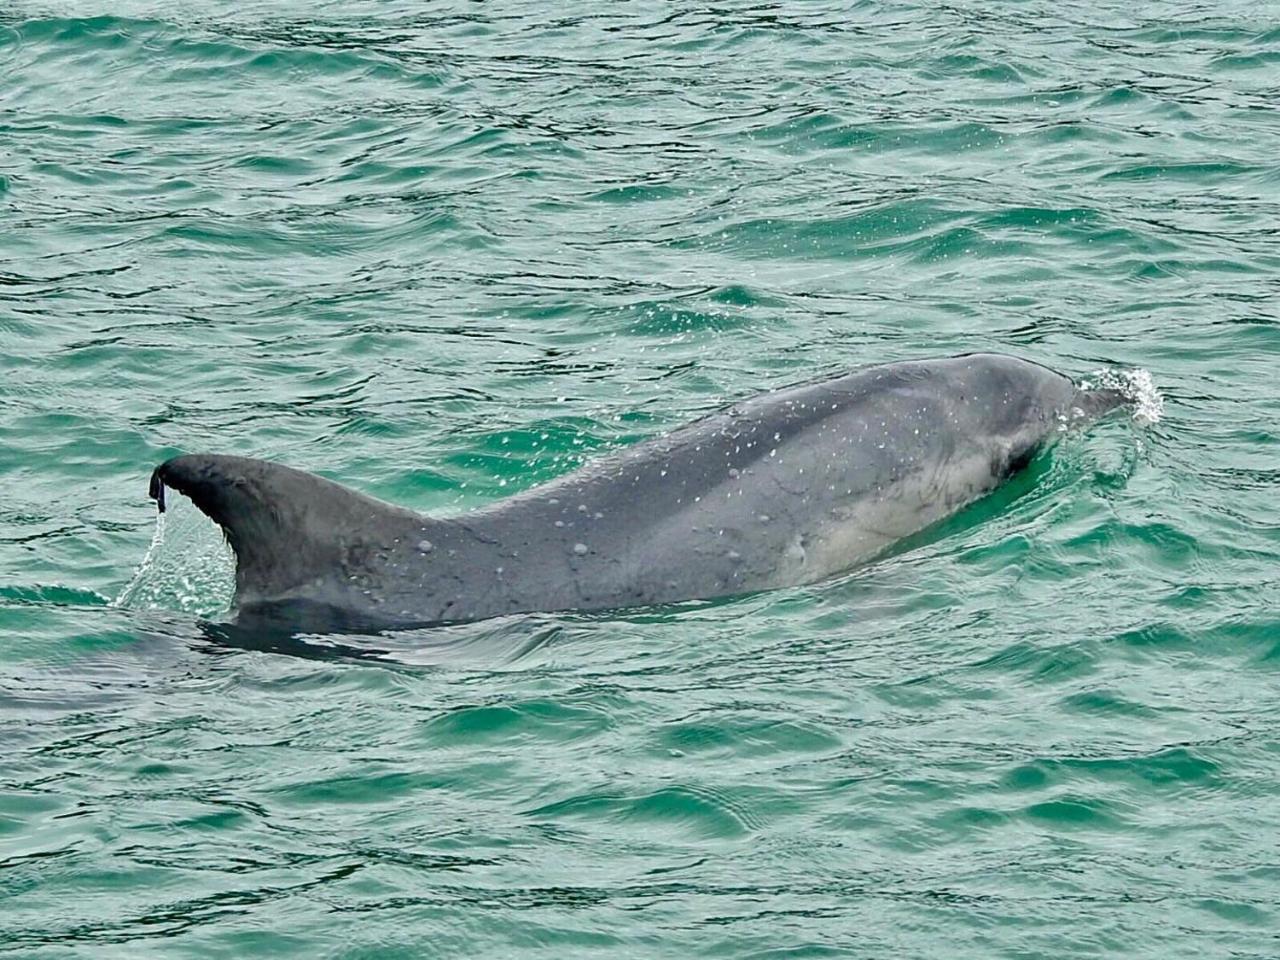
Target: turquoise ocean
[445,251]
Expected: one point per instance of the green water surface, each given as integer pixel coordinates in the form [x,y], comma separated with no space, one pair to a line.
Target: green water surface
[444,251]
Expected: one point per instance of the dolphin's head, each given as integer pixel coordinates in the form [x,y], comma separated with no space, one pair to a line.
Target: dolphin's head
[1019,405]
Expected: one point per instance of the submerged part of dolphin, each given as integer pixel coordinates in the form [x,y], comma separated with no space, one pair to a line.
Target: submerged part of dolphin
[785,488]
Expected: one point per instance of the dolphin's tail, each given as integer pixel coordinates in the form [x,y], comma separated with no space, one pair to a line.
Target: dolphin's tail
[287,527]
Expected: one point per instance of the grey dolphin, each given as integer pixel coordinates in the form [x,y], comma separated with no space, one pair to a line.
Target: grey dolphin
[788,487]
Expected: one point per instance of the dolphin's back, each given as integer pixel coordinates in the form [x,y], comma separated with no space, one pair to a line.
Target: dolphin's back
[787,487]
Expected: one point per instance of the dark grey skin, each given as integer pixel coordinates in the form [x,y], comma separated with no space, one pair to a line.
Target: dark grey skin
[789,487]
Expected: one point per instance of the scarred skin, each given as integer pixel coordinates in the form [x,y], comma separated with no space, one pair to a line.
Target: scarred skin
[787,487]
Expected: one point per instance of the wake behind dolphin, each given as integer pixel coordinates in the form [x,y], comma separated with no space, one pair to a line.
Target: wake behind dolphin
[785,488]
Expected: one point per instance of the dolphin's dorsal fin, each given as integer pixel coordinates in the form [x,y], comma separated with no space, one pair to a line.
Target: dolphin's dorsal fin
[288,528]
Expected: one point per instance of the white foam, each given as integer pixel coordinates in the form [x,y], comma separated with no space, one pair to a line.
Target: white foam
[1136,386]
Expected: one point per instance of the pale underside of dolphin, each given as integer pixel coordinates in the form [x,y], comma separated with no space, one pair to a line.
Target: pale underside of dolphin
[789,487]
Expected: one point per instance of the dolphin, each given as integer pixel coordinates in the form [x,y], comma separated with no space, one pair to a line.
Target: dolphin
[785,488]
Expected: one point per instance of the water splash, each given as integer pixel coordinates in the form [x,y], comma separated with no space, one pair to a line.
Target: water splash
[1136,386]
[188,567]
[131,588]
